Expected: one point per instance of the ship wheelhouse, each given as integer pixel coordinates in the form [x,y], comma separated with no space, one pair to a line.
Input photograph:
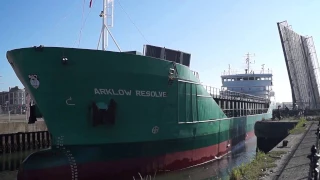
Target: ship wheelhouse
[249,83]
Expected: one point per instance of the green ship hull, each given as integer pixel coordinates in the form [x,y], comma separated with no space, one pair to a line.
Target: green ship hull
[114,115]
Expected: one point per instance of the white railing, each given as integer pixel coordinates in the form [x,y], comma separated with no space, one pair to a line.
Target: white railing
[226,94]
[196,74]
[237,72]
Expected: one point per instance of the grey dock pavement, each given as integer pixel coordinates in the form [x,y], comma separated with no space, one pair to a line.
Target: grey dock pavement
[295,164]
[13,117]
[18,123]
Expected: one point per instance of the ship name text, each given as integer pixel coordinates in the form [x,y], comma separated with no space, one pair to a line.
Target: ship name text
[125,92]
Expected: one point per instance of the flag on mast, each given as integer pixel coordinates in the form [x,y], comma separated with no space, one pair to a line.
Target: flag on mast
[90,4]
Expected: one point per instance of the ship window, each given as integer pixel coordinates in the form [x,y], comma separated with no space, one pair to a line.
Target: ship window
[257,78]
[251,78]
[262,78]
[224,79]
[246,78]
[232,79]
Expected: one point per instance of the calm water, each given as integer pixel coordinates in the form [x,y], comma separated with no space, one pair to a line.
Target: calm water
[218,169]
[9,163]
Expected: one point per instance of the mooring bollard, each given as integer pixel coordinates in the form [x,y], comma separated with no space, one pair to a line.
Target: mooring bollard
[314,157]
[285,143]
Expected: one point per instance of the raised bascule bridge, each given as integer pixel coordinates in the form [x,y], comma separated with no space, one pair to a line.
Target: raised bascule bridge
[302,67]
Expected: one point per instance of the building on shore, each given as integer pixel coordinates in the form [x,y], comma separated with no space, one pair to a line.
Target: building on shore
[13,100]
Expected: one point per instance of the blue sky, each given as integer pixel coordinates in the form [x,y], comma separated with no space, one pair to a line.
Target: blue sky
[216,33]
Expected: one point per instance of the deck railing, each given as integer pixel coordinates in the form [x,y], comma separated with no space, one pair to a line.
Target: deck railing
[237,72]
[232,95]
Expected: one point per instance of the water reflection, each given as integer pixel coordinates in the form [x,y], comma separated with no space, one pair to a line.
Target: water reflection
[218,169]
[11,162]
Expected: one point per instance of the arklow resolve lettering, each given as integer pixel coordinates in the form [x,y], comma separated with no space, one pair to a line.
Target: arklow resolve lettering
[124,92]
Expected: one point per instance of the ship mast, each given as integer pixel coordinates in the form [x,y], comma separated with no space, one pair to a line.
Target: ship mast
[262,68]
[107,22]
[248,62]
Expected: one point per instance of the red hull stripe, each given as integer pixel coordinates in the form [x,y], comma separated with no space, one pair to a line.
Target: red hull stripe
[131,167]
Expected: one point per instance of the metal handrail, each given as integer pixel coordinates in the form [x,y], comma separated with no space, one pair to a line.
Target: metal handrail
[227,94]
[253,72]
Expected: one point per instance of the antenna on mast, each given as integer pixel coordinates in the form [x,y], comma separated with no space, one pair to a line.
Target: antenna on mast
[248,62]
[229,69]
[262,68]
[107,22]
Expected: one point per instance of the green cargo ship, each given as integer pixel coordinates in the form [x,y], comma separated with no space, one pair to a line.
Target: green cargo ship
[114,115]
